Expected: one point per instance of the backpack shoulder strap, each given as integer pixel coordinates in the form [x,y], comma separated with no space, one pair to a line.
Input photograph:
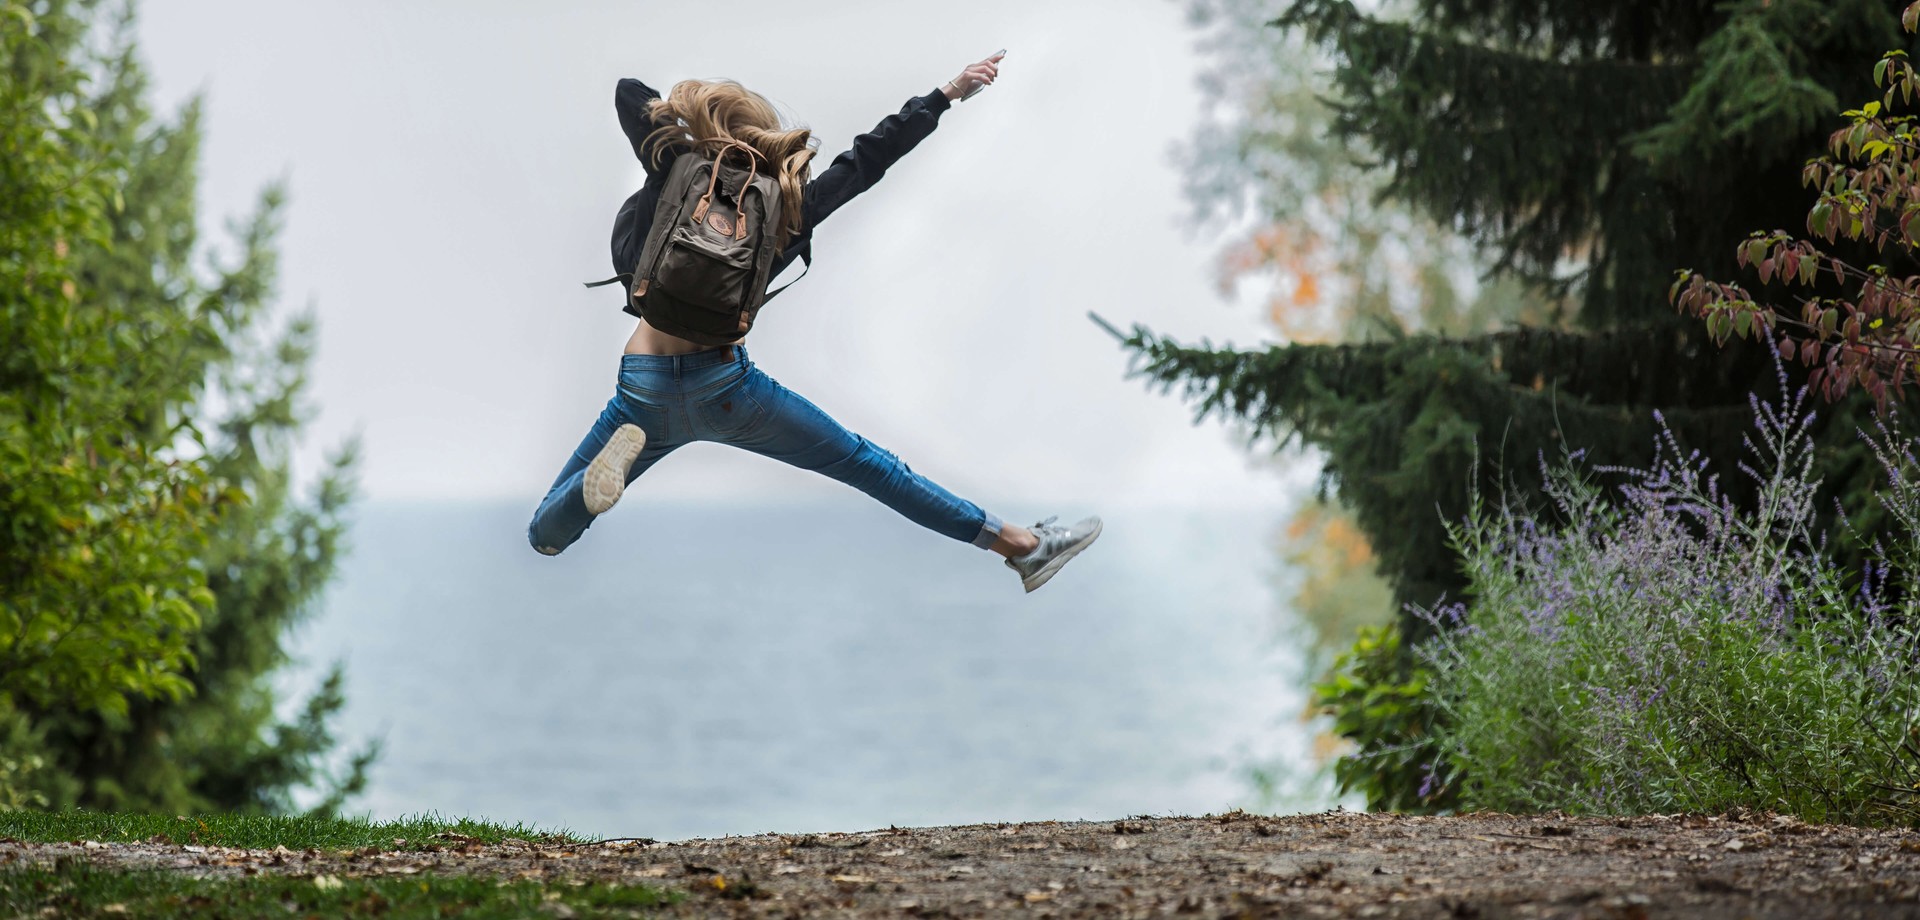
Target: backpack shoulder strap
[624,276]
[806,255]
[677,186]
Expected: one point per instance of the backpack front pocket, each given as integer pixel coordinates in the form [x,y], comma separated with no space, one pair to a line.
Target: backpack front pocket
[699,271]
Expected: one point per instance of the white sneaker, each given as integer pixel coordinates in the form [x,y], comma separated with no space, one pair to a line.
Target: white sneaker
[1057,545]
[607,475]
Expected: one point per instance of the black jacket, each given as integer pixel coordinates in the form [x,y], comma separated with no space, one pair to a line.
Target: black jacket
[848,175]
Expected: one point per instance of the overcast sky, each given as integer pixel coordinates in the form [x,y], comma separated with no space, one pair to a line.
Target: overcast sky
[454,168]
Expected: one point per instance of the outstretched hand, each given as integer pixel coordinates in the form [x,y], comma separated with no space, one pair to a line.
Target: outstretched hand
[973,77]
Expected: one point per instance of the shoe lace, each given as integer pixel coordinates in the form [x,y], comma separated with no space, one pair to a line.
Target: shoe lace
[1048,528]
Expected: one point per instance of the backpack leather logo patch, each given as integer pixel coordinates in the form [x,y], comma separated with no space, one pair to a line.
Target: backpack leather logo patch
[720,223]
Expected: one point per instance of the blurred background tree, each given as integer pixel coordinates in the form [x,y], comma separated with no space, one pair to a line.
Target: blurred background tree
[1583,153]
[155,551]
[1334,260]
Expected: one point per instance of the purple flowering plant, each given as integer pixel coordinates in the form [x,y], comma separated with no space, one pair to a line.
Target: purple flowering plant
[1666,650]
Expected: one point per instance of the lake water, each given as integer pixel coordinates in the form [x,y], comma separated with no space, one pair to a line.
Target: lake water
[698,671]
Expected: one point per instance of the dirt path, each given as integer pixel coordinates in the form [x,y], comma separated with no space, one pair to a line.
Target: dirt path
[1329,865]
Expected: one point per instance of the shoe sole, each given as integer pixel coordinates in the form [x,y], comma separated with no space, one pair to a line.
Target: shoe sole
[606,476]
[1034,581]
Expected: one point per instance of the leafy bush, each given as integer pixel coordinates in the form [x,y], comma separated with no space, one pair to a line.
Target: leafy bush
[1858,321]
[154,548]
[20,764]
[1667,650]
[1379,698]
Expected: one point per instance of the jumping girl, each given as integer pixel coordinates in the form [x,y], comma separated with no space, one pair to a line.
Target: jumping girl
[673,391]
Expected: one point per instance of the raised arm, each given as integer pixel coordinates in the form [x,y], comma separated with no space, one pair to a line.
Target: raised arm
[862,165]
[630,100]
[872,153]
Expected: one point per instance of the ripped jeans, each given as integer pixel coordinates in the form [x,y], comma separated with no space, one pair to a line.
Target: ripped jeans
[718,395]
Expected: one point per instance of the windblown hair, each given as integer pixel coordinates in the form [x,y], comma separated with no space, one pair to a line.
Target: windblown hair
[710,114]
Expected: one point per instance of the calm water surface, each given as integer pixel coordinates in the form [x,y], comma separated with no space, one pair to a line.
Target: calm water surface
[690,671]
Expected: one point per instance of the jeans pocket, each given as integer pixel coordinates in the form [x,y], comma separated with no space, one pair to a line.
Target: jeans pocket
[734,410]
[646,409]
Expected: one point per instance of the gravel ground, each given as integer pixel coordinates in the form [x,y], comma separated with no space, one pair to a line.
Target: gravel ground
[1339,864]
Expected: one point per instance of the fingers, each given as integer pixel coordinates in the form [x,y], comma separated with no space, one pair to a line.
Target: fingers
[985,71]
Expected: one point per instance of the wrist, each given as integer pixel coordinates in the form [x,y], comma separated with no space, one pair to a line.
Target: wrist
[950,91]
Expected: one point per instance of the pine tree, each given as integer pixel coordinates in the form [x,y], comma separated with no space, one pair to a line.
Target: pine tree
[1338,262]
[1588,150]
[170,354]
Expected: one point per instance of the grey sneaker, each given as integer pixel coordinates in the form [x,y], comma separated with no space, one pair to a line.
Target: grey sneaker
[607,475]
[1057,545]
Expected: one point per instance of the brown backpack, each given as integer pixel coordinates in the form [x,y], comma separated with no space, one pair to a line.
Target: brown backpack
[702,274]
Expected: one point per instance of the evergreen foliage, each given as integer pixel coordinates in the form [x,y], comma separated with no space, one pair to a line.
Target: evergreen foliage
[1568,142]
[1336,262]
[154,552]
[1586,145]
[1587,150]
[1412,427]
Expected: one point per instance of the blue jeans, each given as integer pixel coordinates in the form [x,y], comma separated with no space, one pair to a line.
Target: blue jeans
[718,395]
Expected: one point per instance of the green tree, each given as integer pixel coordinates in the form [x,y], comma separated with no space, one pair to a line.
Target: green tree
[1337,261]
[1586,150]
[156,552]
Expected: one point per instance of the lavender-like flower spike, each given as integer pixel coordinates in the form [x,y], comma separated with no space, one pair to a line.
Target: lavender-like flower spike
[1667,649]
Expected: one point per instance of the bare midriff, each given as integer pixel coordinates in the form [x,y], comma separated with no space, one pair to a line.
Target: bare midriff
[647,340]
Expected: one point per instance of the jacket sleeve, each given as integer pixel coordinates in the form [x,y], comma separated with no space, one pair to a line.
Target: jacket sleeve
[630,100]
[860,167]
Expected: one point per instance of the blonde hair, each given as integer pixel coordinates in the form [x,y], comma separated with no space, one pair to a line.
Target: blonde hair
[710,114]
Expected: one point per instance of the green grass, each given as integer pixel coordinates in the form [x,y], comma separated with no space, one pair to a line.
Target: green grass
[78,892]
[263,831]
